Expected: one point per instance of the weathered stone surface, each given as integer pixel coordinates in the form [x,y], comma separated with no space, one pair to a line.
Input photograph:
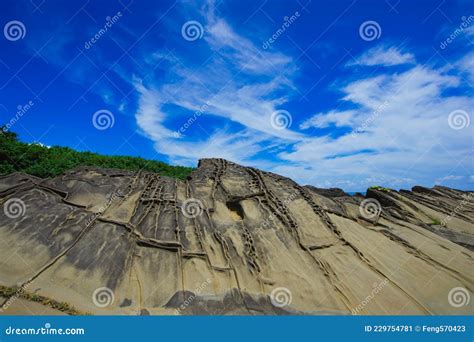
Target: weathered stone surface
[331,192]
[233,240]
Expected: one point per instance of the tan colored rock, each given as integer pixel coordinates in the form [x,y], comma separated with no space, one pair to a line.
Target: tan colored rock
[234,240]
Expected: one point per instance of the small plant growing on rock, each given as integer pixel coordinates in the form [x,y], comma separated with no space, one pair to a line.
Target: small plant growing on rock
[377,187]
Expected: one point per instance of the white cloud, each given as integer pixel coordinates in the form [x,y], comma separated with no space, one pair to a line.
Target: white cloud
[333,117]
[239,83]
[448,178]
[470,33]
[243,52]
[466,65]
[405,138]
[400,119]
[381,55]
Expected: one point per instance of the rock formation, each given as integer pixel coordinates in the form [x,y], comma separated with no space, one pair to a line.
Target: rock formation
[230,240]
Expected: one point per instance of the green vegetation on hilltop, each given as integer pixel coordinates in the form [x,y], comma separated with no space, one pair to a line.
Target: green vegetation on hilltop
[44,162]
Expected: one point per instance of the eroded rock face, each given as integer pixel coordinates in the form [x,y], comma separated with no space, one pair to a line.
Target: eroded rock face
[331,192]
[233,240]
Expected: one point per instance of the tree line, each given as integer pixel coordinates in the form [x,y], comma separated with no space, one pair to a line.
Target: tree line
[44,162]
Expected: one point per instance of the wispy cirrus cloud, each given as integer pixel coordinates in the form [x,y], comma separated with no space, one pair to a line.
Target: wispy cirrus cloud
[385,56]
[238,82]
[398,118]
[466,67]
[400,133]
[333,117]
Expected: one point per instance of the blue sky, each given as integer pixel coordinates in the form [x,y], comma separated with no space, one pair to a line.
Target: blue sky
[330,93]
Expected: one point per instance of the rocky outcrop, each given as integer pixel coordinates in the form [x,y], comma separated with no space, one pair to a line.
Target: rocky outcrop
[331,192]
[231,240]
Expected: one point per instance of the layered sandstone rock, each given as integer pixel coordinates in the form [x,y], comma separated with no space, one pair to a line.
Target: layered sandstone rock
[232,240]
